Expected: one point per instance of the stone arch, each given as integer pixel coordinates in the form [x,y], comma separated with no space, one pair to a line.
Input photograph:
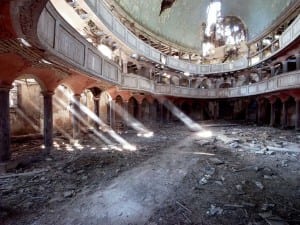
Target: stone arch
[26,104]
[205,84]
[225,85]
[291,63]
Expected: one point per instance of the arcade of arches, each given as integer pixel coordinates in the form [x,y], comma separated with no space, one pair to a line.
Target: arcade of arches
[78,147]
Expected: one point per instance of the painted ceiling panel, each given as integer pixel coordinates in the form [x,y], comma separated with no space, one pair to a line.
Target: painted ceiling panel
[182,22]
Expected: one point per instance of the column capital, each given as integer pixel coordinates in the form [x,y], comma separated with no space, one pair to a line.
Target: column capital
[47,93]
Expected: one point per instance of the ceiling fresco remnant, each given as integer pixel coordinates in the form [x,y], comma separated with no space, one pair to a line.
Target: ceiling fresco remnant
[182,22]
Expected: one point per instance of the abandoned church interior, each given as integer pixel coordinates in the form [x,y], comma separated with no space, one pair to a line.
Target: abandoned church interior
[161,112]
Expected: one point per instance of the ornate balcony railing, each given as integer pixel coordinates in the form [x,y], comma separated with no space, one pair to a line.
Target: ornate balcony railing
[66,45]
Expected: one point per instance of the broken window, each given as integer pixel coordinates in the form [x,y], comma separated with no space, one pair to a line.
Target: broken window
[221,31]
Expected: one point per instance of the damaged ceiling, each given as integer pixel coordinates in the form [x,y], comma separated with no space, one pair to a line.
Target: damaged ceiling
[181,21]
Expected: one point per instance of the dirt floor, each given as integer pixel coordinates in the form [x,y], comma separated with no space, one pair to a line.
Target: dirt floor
[234,174]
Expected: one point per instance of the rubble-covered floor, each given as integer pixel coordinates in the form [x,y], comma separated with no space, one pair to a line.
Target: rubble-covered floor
[239,175]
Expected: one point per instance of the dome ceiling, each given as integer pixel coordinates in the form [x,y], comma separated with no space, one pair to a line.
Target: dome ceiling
[182,22]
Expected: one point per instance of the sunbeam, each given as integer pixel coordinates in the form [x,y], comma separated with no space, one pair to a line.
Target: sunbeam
[125,145]
[131,121]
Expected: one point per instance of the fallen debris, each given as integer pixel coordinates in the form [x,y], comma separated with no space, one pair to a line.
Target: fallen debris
[214,210]
[31,173]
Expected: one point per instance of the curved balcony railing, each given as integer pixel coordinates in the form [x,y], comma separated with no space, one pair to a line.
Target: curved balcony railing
[283,82]
[127,37]
[68,46]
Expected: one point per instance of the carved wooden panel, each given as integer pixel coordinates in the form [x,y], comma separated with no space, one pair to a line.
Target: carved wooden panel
[47,27]
[262,87]
[106,16]
[172,62]
[216,68]
[286,37]
[92,3]
[120,29]
[70,47]
[130,82]
[289,80]
[252,89]
[144,84]
[94,62]
[155,54]
[144,48]
[296,27]
[204,69]
[244,90]
[192,68]
[183,66]
[131,39]
[272,84]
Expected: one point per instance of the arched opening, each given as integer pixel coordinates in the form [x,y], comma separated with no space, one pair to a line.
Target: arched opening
[252,110]
[226,109]
[197,110]
[225,85]
[186,108]
[264,112]
[26,106]
[204,84]
[291,64]
[133,107]
[290,105]
[145,114]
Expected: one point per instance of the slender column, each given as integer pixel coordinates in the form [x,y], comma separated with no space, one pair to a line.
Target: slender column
[75,116]
[297,61]
[272,116]
[139,112]
[161,112]
[297,119]
[215,110]
[284,66]
[112,114]
[258,118]
[284,115]
[48,120]
[96,111]
[126,114]
[4,124]
[247,110]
